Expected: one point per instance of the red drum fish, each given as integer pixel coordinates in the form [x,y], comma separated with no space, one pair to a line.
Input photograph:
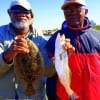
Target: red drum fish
[62,67]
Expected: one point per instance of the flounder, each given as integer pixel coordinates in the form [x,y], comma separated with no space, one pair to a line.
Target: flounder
[29,67]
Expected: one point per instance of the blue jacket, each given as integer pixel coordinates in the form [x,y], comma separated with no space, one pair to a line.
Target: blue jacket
[8,80]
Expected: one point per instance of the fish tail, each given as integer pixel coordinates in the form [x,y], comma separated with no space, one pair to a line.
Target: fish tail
[29,90]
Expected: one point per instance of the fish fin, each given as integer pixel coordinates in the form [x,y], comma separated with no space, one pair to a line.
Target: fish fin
[29,90]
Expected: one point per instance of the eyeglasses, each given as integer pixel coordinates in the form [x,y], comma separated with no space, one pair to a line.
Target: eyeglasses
[18,11]
[76,9]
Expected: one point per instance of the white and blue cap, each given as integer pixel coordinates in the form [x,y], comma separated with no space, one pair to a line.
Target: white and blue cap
[23,3]
[69,2]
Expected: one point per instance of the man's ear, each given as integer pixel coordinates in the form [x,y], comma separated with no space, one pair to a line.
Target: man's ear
[86,11]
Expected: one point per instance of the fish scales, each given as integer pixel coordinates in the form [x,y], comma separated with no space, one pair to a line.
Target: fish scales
[29,67]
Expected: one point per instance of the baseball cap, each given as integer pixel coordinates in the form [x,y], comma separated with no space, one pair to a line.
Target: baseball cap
[68,2]
[23,3]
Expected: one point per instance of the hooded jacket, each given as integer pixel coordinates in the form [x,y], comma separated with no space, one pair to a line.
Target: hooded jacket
[84,62]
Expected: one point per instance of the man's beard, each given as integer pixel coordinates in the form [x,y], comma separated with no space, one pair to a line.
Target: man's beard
[22,24]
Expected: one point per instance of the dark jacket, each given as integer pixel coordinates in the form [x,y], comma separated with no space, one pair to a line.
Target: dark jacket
[84,63]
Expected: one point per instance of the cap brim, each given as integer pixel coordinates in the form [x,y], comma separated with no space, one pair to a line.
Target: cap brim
[68,3]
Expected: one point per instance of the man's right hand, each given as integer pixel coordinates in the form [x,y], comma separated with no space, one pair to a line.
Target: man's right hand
[19,45]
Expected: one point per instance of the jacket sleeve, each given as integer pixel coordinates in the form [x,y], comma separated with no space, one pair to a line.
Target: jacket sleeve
[4,67]
[4,44]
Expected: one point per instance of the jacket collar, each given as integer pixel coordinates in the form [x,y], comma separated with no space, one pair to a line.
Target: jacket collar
[85,26]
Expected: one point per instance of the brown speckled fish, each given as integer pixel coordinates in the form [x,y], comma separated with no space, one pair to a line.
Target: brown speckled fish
[29,67]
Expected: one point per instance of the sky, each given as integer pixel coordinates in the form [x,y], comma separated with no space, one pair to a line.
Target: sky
[48,13]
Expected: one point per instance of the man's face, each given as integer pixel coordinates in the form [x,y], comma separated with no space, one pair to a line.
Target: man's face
[20,17]
[74,14]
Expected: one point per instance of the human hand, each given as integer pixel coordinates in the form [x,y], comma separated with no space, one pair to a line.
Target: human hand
[68,46]
[19,45]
